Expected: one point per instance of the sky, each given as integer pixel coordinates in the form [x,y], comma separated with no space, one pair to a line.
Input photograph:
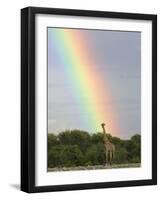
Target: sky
[94,77]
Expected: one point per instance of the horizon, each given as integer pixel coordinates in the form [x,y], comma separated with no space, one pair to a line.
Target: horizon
[122,138]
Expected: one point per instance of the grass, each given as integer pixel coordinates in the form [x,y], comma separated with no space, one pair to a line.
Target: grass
[114,166]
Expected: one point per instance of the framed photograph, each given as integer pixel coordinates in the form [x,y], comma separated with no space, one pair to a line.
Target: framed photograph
[88,99]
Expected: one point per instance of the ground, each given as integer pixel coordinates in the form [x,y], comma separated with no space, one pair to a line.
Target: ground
[114,166]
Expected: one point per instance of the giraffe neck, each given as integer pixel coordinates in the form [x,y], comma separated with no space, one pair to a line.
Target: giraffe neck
[105,136]
[104,131]
[106,140]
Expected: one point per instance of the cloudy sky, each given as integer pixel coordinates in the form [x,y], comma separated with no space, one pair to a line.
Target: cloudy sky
[114,58]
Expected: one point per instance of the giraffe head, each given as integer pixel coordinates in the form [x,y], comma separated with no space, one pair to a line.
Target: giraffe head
[103,125]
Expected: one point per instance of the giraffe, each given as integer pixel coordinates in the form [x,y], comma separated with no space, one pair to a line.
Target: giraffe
[109,147]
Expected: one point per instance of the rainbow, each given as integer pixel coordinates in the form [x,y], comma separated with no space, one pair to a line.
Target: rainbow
[78,59]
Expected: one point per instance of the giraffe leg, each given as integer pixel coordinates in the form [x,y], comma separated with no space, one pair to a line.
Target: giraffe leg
[106,158]
[110,158]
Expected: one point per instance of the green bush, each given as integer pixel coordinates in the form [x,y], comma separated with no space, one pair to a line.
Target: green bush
[79,148]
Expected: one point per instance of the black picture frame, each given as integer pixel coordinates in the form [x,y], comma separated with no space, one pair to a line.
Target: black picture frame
[28,99]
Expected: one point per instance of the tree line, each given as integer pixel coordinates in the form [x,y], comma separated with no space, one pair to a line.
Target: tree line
[73,148]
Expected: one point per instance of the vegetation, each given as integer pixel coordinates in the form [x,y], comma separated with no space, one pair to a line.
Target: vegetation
[79,148]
